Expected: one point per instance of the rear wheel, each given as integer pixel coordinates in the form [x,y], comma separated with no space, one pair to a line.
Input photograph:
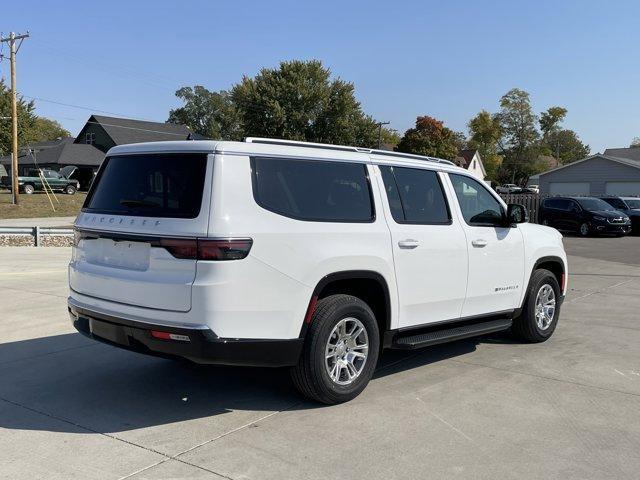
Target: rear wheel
[29,189]
[340,351]
[541,309]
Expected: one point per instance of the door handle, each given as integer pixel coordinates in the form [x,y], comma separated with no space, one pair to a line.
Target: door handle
[408,244]
[479,243]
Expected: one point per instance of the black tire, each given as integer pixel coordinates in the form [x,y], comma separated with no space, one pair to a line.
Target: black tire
[584,230]
[29,189]
[525,326]
[310,375]
[70,190]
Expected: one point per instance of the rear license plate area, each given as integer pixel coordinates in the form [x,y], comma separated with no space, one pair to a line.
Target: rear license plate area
[118,254]
[108,331]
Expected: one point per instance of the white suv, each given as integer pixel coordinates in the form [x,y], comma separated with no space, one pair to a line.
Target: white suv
[315,257]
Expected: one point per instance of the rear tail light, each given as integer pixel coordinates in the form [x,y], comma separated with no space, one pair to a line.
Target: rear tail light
[208,249]
[224,248]
[188,248]
[180,248]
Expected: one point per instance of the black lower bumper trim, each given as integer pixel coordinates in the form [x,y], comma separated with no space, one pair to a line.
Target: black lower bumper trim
[203,345]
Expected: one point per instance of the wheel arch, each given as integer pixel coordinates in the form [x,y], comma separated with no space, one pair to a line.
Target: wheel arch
[368,285]
[555,265]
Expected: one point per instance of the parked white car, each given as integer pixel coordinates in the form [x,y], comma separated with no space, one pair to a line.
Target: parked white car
[509,188]
[314,257]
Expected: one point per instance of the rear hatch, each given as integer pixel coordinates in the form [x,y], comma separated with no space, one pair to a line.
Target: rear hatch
[138,224]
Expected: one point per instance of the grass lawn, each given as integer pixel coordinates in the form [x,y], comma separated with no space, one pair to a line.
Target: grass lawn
[37,205]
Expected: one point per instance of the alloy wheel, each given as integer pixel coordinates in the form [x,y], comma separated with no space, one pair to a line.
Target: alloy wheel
[346,351]
[545,308]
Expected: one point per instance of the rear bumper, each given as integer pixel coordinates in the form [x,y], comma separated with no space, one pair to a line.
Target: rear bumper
[203,346]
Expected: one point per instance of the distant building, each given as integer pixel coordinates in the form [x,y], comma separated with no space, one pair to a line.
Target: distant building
[616,172]
[87,150]
[470,160]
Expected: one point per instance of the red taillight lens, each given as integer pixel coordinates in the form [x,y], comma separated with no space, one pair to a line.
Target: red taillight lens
[170,336]
[181,248]
[208,249]
[224,248]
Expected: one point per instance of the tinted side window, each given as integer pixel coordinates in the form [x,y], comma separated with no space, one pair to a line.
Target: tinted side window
[313,190]
[419,195]
[550,203]
[393,195]
[478,206]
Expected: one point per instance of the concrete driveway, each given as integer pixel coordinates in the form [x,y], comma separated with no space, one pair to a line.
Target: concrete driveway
[486,408]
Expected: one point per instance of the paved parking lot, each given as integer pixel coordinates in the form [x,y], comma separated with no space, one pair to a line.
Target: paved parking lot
[486,408]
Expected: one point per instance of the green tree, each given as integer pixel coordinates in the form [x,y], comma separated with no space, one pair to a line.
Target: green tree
[635,143]
[26,119]
[207,113]
[299,101]
[519,144]
[565,146]
[485,132]
[44,129]
[551,119]
[431,138]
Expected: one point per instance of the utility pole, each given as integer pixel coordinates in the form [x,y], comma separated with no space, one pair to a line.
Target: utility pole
[380,124]
[11,40]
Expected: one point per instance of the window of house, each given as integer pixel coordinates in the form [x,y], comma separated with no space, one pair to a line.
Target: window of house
[321,191]
[90,138]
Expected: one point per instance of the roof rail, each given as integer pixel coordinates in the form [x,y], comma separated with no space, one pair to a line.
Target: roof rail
[345,148]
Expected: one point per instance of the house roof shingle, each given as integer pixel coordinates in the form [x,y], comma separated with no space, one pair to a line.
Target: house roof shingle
[124,130]
[628,153]
[65,153]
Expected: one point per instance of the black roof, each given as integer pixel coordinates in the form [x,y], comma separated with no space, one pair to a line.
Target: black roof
[124,130]
[65,153]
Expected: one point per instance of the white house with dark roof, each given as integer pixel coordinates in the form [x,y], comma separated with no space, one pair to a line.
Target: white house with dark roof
[470,160]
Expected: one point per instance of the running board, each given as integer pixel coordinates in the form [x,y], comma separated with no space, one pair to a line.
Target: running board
[435,337]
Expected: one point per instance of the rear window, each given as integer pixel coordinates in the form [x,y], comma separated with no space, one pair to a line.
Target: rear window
[313,190]
[156,185]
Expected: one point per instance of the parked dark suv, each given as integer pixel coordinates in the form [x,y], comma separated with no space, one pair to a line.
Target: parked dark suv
[585,215]
[630,206]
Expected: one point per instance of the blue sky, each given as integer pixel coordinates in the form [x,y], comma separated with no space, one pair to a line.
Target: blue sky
[406,58]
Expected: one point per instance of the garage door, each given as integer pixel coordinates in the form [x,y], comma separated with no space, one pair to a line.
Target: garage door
[569,188]
[622,188]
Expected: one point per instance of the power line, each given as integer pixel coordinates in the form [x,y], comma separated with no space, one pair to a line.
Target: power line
[40,99]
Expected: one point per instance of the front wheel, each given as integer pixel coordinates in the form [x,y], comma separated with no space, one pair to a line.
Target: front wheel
[29,189]
[70,190]
[584,229]
[541,309]
[340,350]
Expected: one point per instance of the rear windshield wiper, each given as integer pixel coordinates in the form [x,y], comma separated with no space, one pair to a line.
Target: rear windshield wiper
[139,203]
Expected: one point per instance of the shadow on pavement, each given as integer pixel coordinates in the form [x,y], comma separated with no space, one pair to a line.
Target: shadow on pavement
[105,389]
